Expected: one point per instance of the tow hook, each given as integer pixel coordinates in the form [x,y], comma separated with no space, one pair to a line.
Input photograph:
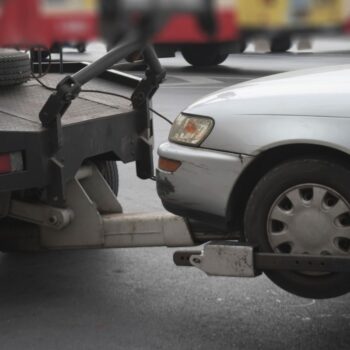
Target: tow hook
[235,259]
[221,258]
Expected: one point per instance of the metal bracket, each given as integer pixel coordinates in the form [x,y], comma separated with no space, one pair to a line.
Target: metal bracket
[55,107]
[50,116]
[225,259]
[59,101]
[141,100]
[40,214]
[147,88]
[155,75]
[99,221]
[234,259]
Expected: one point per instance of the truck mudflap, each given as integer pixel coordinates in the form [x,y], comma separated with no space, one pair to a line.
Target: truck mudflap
[234,259]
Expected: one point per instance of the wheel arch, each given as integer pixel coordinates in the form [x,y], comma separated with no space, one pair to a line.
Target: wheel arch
[263,163]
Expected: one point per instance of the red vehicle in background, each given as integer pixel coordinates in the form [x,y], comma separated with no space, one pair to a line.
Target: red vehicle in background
[184,34]
[43,23]
[52,23]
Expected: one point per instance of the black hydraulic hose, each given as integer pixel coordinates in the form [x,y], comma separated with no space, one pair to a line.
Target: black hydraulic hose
[150,57]
[126,47]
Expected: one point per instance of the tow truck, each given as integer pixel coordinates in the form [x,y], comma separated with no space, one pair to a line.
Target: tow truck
[59,147]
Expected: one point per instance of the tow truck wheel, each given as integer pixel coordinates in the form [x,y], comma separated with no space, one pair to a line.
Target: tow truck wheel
[14,68]
[17,236]
[303,207]
[203,56]
[109,171]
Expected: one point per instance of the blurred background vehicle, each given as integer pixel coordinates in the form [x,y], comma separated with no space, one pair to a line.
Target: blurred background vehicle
[281,20]
[199,49]
[50,25]
[240,21]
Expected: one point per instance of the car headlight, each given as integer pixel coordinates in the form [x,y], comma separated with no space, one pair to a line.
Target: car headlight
[190,130]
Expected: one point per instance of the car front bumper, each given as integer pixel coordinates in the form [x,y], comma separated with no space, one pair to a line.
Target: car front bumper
[201,187]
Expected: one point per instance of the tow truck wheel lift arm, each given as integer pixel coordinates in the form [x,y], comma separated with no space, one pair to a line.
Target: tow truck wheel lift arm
[235,259]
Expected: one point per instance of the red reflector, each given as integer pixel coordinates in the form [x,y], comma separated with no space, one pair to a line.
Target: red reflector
[5,163]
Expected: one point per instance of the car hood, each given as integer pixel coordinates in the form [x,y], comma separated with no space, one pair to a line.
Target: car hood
[322,92]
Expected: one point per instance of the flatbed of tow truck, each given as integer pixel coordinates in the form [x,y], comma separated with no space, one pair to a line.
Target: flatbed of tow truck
[23,103]
[95,124]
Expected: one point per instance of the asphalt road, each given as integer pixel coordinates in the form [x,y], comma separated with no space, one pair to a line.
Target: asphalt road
[137,298]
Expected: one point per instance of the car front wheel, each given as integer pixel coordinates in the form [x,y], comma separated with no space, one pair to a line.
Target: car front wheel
[303,207]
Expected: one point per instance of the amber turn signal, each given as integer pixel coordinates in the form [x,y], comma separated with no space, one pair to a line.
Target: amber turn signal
[168,164]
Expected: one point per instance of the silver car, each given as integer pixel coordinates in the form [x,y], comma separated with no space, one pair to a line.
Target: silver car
[268,162]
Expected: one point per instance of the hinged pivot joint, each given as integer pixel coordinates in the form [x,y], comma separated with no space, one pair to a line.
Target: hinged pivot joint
[57,104]
[50,116]
[147,87]
[155,75]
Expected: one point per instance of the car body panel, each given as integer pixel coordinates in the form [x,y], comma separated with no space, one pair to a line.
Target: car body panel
[203,182]
[254,134]
[299,107]
[300,93]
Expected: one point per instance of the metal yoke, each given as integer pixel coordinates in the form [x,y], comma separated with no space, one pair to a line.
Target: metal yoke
[234,259]
[94,220]
[70,87]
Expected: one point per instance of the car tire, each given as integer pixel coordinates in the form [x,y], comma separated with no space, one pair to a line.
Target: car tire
[281,44]
[203,56]
[15,68]
[298,176]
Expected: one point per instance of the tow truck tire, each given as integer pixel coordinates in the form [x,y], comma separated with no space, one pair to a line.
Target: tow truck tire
[109,170]
[203,56]
[15,68]
[24,237]
[311,215]
[281,44]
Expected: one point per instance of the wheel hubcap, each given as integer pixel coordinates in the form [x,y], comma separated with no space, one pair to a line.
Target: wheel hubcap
[310,219]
